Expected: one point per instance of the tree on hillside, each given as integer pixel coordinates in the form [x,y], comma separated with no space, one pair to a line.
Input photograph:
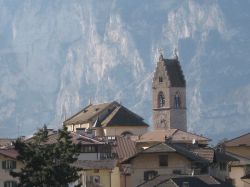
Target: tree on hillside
[47,164]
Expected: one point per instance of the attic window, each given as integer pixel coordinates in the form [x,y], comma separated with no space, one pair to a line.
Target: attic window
[150,174]
[160,79]
[163,160]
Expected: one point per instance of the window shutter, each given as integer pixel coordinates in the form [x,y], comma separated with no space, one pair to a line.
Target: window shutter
[4,164]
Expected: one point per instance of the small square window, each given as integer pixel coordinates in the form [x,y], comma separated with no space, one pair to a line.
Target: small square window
[163,160]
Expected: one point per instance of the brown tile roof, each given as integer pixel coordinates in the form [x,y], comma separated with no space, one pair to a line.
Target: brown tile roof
[207,153]
[177,181]
[52,138]
[243,140]
[160,148]
[11,153]
[95,164]
[88,112]
[108,114]
[124,147]
[176,135]
[122,116]
[169,148]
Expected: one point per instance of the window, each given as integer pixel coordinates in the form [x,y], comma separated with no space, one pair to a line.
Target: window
[177,101]
[88,149]
[161,99]
[160,79]
[163,160]
[150,174]
[9,164]
[10,184]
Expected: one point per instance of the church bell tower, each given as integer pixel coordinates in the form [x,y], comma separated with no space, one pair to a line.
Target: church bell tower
[169,95]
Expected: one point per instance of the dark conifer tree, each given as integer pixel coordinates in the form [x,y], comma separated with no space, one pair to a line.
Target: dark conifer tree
[47,164]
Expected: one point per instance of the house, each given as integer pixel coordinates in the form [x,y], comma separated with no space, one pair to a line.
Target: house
[162,159]
[8,160]
[239,148]
[107,119]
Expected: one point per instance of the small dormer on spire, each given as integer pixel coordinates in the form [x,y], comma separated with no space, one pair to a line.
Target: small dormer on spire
[175,53]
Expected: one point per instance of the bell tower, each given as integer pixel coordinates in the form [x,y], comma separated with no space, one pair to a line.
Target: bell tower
[169,95]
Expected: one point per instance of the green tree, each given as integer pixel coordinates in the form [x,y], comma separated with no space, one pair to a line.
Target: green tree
[47,164]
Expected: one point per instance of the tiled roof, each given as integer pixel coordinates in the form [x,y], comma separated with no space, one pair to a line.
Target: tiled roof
[108,114]
[155,181]
[243,140]
[178,181]
[176,135]
[11,153]
[170,148]
[175,73]
[121,116]
[87,113]
[207,153]
[76,138]
[242,161]
[95,164]
[160,148]
[124,147]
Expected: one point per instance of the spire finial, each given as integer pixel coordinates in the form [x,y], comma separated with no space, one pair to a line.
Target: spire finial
[160,50]
[175,53]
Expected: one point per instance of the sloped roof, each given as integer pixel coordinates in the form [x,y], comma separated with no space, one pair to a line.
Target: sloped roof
[95,164]
[177,181]
[11,153]
[169,148]
[88,112]
[6,142]
[121,116]
[113,114]
[207,153]
[176,135]
[174,72]
[124,147]
[243,140]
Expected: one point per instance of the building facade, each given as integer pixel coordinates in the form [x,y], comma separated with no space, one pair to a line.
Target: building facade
[169,95]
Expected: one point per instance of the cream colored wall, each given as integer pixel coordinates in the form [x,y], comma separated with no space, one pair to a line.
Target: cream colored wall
[4,173]
[72,128]
[240,150]
[108,178]
[116,131]
[236,174]
[146,162]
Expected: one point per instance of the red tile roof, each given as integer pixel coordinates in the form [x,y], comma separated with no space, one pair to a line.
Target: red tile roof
[11,153]
[95,164]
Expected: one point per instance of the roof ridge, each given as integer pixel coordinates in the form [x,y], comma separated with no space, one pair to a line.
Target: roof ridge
[237,137]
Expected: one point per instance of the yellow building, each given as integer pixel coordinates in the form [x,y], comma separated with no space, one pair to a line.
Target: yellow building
[161,159]
[8,162]
[239,147]
[99,173]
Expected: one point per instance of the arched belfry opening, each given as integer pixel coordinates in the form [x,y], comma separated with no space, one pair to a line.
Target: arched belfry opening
[161,100]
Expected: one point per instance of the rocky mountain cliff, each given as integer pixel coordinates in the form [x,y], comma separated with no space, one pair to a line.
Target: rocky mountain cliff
[57,55]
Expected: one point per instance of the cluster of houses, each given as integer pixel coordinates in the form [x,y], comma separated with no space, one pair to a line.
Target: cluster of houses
[119,150]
